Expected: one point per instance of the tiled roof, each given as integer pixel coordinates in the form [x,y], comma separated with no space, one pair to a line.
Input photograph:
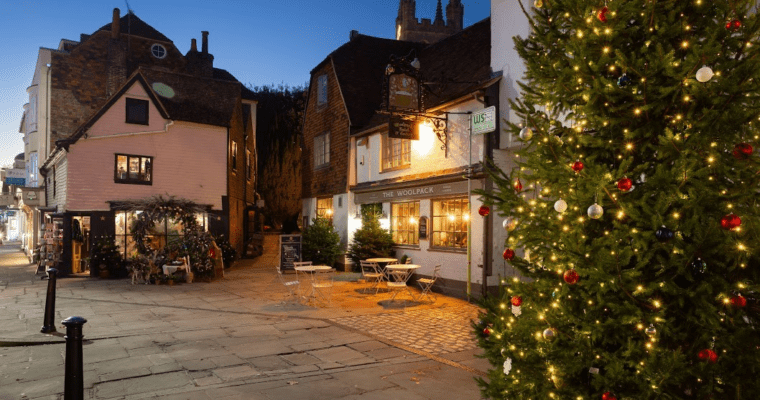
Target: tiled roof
[226,76]
[360,65]
[200,100]
[457,64]
[131,24]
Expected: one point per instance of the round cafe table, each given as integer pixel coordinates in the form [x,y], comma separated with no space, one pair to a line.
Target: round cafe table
[312,269]
[382,262]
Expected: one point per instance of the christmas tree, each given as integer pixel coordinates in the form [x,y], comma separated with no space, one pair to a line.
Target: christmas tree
[633,208]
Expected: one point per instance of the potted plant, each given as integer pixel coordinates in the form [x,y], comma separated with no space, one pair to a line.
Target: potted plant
[105,256]
[321,243]
[370,241]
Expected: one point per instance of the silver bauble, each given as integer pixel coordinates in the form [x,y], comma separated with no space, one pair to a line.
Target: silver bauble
[704,74]
[526,133]
[560,206]
[651,331]
[510,223]
[549,334]
[595,211]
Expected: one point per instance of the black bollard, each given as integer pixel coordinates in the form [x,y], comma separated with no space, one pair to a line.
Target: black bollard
[73,388]
[47,323]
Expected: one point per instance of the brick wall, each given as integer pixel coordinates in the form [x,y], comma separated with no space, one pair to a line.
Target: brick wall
[240,190]
[332,178]
[79,80]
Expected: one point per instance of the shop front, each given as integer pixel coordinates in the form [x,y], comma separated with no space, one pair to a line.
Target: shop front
[429,221]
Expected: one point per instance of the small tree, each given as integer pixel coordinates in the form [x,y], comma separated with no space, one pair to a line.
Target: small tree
[321,243]
[370,241]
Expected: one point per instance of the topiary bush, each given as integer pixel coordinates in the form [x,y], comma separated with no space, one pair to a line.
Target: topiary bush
[321,243]
[370,241]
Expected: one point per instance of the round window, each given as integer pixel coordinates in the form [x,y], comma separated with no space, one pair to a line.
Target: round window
[158,51]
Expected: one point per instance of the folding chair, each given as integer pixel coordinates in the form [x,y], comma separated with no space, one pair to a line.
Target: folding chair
[371,271]
[399,282]
[323,285]
[427,283]
[292,285]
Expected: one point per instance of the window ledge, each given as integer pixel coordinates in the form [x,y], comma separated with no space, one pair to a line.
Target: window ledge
[407,246]
[448,250]
[322,166]
[407,166]
[134,182]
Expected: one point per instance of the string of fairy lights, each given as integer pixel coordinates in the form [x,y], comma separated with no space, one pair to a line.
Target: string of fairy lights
[535,203]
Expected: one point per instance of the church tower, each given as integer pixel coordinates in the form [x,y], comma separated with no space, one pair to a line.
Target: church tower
[427,31]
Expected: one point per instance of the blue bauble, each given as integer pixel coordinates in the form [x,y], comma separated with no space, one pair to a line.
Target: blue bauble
[624,81]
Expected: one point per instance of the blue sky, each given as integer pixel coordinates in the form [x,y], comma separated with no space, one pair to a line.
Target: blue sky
[260,42]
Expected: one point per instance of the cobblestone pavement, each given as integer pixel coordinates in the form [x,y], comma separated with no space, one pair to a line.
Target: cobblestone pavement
[435,331]
[235,338]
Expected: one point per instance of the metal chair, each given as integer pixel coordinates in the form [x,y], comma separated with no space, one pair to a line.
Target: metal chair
[426,284]
[399,282]
[322,284]
[409,260]
[371,271]
[294,286]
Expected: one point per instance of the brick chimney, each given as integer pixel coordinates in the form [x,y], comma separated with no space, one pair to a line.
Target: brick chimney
[200,63]
[117,56]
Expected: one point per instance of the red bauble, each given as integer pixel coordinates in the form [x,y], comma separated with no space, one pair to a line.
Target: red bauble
[730,221]
[608,396]
[518,186]
[508,254]
[602,14]
[484,211]
[737,24]
[486,332]
[742,151]
[738,301]
[212,253]
[708,355]
[571,277]
[516,301]
[577,166]
[625,184]
[729,24]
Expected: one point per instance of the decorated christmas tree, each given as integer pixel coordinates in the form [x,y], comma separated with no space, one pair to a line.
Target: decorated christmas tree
[632,211]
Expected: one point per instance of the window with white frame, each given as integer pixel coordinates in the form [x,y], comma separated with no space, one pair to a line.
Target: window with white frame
[405,218]
[322,150]
[450,221]
[397,153]
[322,90]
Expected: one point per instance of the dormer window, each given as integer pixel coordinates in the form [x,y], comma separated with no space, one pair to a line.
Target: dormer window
[158,51]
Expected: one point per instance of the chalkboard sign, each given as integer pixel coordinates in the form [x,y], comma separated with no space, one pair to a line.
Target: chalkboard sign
[402,128]
[423,227]
[290,251]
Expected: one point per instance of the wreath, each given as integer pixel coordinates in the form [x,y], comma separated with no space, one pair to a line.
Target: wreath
[195,242]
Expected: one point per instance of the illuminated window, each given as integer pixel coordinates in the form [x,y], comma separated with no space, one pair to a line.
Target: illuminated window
[322,90]
[248,165]
[325,208]
[405,218]
[133,169]
[322,150]
[167,230]
[234,156]
[450,220]
[397,153]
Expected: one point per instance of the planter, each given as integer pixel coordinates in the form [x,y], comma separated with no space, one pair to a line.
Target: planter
[103,272]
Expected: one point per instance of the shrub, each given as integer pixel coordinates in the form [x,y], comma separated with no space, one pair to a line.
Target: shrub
[321,243]
[370,241]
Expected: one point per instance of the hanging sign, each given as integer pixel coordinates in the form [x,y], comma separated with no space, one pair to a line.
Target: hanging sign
[403,92]
[484,121]
[400,128]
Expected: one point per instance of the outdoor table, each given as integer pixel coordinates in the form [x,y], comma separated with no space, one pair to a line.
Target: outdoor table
[312,269]
[401,273]
[172,268]
[382,262]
